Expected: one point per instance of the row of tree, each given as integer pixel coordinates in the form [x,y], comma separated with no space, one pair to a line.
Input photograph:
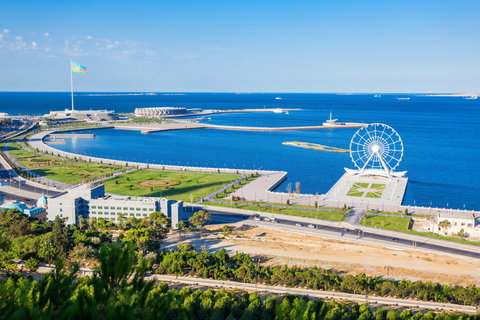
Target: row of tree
[118,289]
[241,267]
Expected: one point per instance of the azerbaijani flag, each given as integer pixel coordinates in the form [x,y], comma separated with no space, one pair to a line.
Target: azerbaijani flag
[78,68]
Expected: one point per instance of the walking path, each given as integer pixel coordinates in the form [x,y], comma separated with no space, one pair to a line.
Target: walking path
[360,298]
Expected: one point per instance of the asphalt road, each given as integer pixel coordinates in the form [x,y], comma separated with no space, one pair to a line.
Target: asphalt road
[223,217]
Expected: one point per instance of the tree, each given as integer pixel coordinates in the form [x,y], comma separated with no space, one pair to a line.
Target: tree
[185,247]
[461,234]
[297,187]
[180,226]
[226,229]
[445,224]
[199,219]
[31,264]
[60,238]
[81,222]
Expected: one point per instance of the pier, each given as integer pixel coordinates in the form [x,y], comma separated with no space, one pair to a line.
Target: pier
[73,135]
[159,127]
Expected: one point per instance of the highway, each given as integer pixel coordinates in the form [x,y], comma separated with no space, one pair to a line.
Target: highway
[347,234]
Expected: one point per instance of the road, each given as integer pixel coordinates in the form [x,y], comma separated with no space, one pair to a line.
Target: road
[360,298]
[19,189]
[318,294]
[406,242]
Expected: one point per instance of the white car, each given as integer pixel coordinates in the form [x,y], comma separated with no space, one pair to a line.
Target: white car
[299,224]
[257,218]
[266,219]
[275,221]
[311,226]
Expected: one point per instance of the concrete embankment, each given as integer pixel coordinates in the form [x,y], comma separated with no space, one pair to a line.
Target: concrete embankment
[346,125]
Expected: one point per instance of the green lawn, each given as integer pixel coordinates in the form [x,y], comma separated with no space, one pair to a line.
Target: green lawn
[454,239]
[389,223]
[353,193]
[77,172]
[31,160]
[318,214]
[177,185]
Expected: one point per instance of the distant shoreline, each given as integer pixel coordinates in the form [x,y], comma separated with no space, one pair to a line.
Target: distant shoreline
[452,95]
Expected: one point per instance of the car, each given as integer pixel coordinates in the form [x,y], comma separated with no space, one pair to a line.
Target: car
[266,219]
[257,218]
[311,226]
[275,221]
[299,224]
[344,230]
[393,239]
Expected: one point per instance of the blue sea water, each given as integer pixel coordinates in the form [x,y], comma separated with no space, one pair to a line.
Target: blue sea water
[440,137]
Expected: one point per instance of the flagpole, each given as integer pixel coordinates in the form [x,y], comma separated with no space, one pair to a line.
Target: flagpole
[71,81]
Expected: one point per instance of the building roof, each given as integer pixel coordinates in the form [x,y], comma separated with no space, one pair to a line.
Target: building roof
[15,205]
[42,200]
[456,216]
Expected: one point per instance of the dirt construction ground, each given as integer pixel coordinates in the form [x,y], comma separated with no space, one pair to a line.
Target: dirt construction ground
[279,248]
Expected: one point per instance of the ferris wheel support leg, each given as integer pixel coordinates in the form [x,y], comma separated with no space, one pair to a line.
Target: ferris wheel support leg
[385,167]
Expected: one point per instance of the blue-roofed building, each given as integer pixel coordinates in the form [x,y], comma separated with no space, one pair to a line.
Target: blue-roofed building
[14,205]
[34,212]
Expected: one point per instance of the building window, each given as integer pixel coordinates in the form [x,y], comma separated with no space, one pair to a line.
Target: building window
[61,210]
[125,208]
[100,207]
[138,214]
[94,207]
[144,215]
[94,212]
[144,209]
[132,208]
[119,208]
[113,208]
[469,225]
[139,209]
[463,224]
[151,209]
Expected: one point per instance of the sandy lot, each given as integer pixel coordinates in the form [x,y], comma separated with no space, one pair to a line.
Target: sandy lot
[279,248]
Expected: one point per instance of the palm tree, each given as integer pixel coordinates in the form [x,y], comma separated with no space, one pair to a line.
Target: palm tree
[445,224]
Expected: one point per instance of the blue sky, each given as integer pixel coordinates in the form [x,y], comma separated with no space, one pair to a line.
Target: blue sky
[241,46]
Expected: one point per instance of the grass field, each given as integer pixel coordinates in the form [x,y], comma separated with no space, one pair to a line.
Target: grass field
[389,223]
[454,239]
[32,160]
[177,185]
[77,172]
[317,214]
[325,215]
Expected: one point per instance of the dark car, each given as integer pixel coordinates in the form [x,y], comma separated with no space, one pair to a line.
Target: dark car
[393,239]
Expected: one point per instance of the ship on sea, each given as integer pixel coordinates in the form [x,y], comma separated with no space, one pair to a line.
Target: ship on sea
[278,110]
[330,122]
[403,98]
[377,96]
[278,98]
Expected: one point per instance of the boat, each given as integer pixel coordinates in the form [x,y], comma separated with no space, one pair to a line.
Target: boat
[377,96]
[330,122]
[278,98]
[278,110]
[286,112]
[471,98]
[403,98]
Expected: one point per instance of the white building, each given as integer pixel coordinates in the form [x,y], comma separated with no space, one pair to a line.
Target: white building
[92,202]
[458,221]
[160,111]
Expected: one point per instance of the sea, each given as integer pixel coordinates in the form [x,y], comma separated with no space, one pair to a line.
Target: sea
[440,135]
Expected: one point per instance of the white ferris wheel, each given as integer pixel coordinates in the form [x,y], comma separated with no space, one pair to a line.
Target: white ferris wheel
[376,149]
